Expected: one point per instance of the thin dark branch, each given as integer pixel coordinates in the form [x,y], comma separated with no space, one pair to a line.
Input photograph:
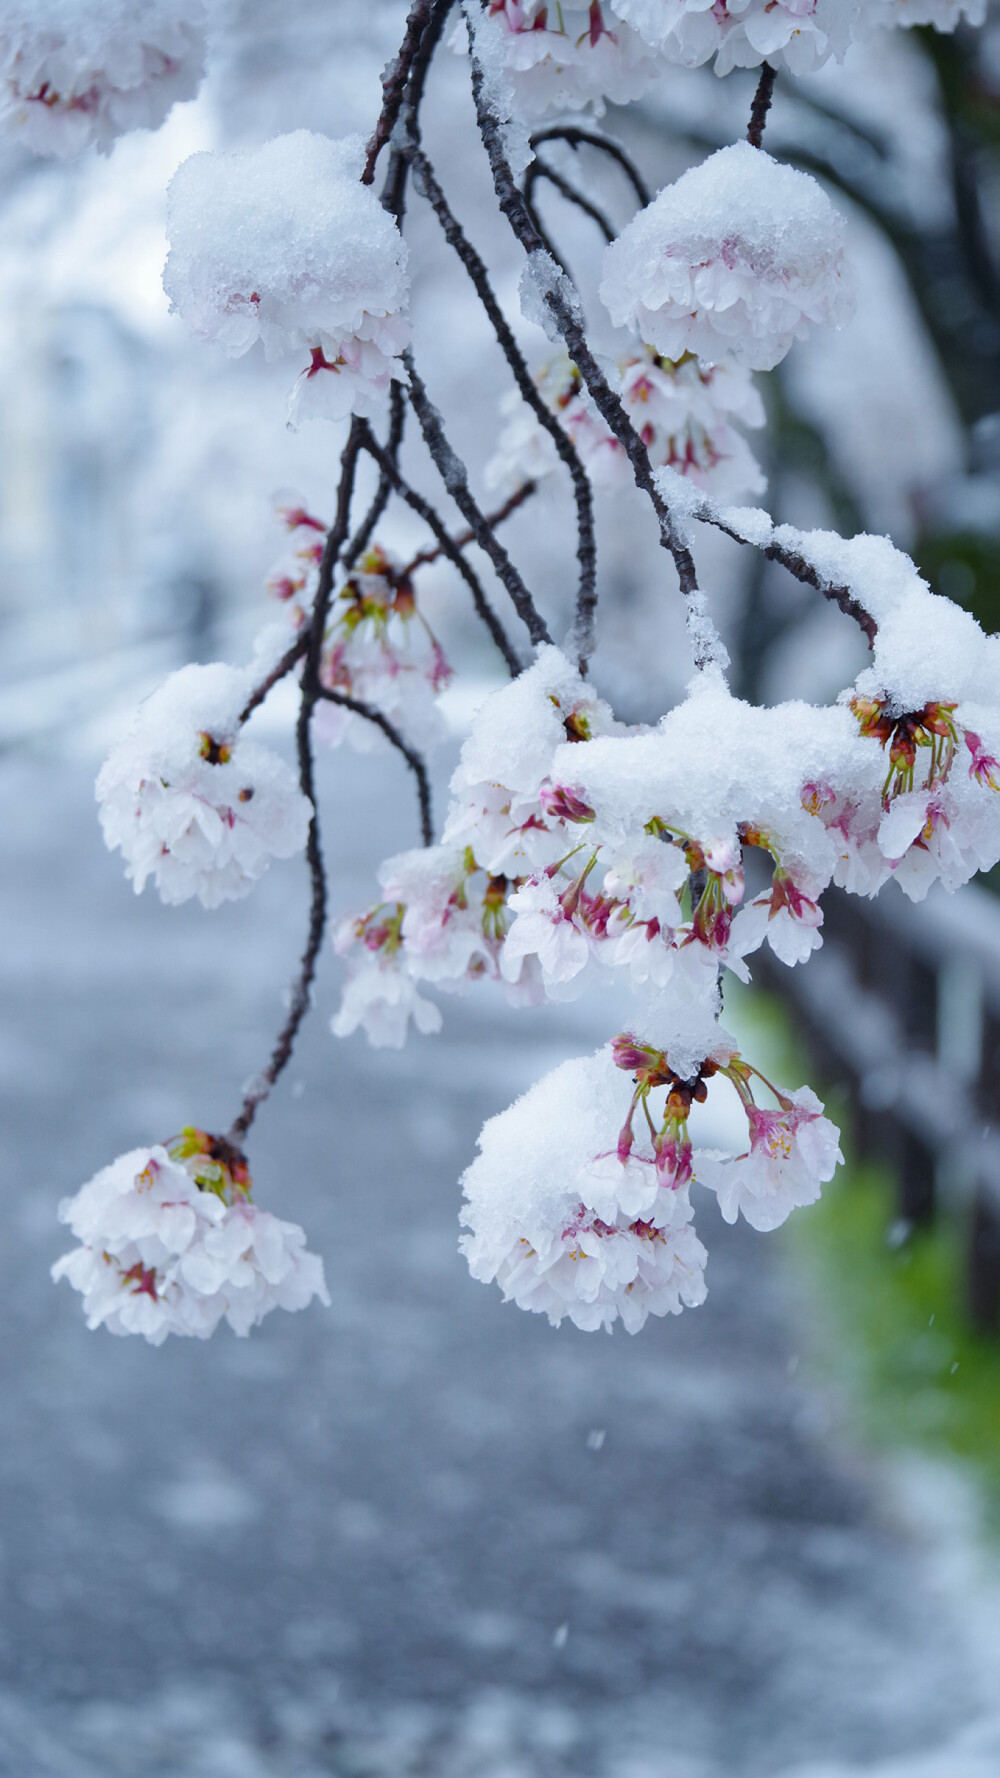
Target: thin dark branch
[803,570]
[574,136]
[539,170]
[336,537]
[425,510]
[285,665]
[413,759]
[394,187]
[761,106]
[493,519]
[363,535]
[394,83]
[453,473]
[511,200]
[426,183]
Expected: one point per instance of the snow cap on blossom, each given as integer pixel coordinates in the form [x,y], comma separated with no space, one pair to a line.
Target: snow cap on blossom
[563,1224]
[496,788]
[681,411]
[170,1242]
[283,243]
[80,72]
[192,804]
[562,55]
[797,34]
[737,258]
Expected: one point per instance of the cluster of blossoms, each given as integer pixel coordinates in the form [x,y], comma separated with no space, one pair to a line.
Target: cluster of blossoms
[283,244]
[378,647]
[574,1212]
[578,54]
[73,73]
[171,1242]
[574,843]
[682,411]
[190,802]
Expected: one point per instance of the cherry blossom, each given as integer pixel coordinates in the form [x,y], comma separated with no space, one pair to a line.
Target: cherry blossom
[563,55]
[170,1242]
[793,1152]
[735,260]
[682,412]
[74,74]
[380,649]
[565,1227]
[192,804]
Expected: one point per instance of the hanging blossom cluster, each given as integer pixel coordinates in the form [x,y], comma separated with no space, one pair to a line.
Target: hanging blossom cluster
[683,411]
[283,244]
[580,54]
[172,1243]
[192,804]
[575,845]
[75,74]
[378,647]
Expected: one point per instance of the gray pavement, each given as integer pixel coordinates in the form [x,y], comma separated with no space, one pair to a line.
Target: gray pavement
[421,1532]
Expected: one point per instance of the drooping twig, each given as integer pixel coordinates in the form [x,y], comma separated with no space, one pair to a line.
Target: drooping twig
[761,105]
[574,136]
[288,660]
[453,473]
[540,170]
[413,759]
[311,689]
[394,186]
[363,535]
[425,510]
[493,519]
[394,81]
[707,646]
[427,184]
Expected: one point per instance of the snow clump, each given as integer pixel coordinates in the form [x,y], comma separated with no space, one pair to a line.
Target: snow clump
[736,259]
[189,802]
[80,72]
[283,244]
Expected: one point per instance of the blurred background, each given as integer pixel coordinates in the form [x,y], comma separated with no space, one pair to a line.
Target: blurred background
[421,1533]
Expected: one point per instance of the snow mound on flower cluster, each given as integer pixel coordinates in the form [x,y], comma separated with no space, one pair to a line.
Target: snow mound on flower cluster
[158,1255]
[564,1227]
[283,243]
[73,72]
[739,257]
[192,804]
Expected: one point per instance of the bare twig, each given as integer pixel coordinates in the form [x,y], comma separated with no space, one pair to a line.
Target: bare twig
[761,106]
[493,519]
[363,535]
[427,184]
[311,689]
[288,660]
[453,473]
[394,83]
[574,136]
[539,170]
[413,759]
[425,510]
